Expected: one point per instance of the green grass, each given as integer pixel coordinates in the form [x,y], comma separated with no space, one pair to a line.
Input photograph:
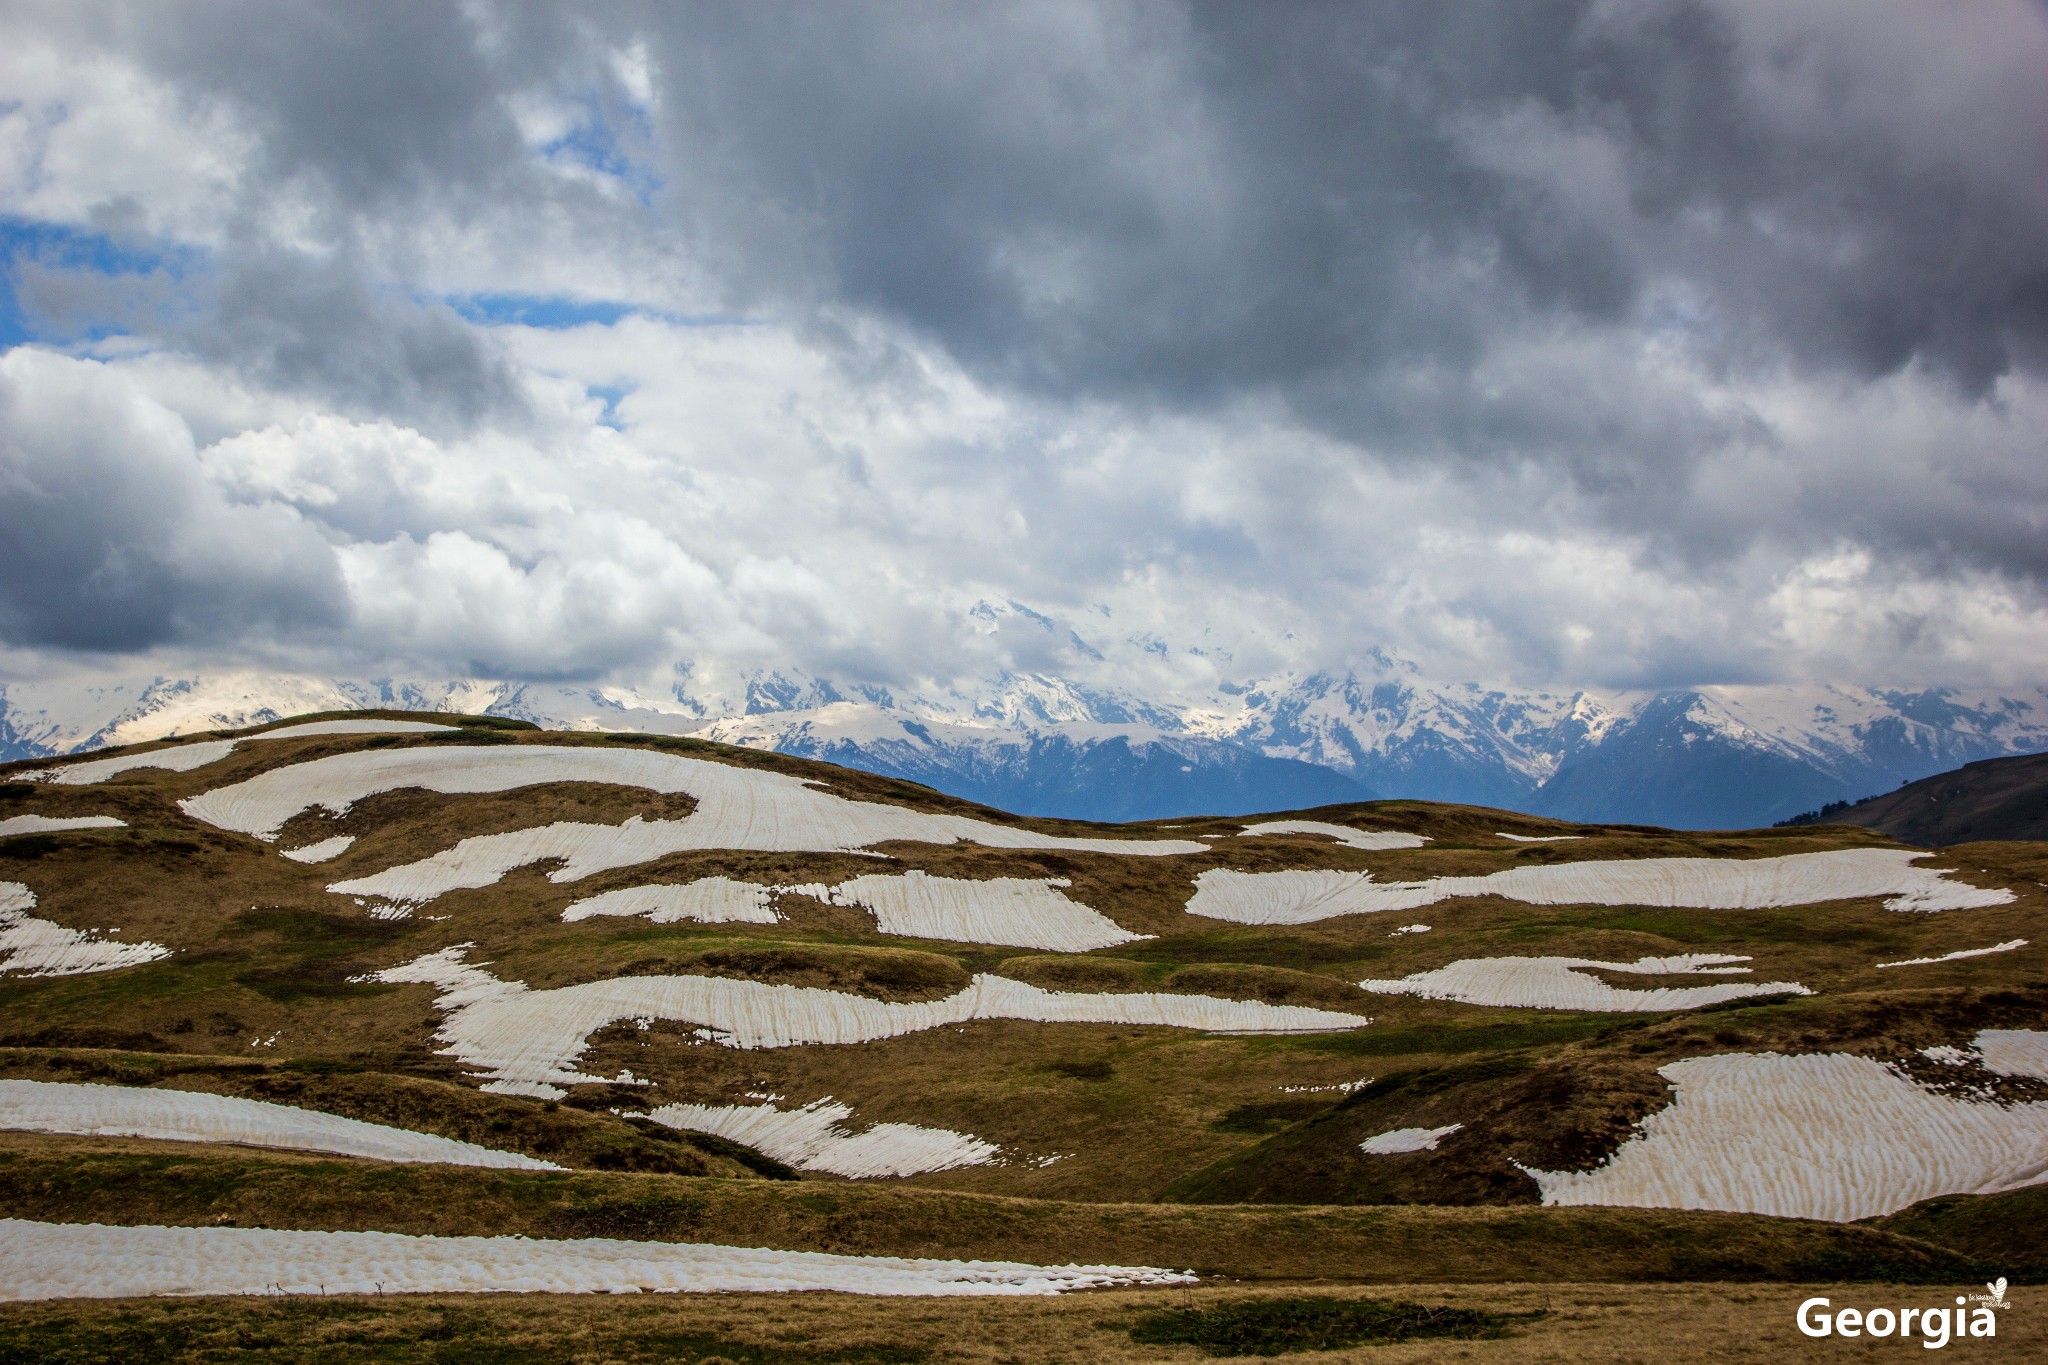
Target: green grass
[1272,1327]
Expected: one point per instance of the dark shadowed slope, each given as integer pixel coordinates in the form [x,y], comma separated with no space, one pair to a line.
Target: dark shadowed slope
[1998,798]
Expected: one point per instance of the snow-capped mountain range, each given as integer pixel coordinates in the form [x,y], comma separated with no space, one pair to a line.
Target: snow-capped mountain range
[1717,757]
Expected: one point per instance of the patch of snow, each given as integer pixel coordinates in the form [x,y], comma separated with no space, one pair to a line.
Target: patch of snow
[709,900]
[1369,840]
[1410,929]
[737,808]
[1406,1140]
[1559,983]
[70,1260]
[1948,1056]
[1014,911]
[1341,1087]
[181,759]
[323,851]
[186,757]
[52,824]
[526,1041]
[2005,947]
[1537,838]
[187,1116]
[1829,1136]
[1304,896]
[36,947]
[813,1138]
[2014,1052]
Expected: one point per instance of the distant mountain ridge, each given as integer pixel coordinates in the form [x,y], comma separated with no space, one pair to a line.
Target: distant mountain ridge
[1722,757]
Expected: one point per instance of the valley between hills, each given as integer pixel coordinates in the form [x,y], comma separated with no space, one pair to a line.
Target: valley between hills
[323,1029]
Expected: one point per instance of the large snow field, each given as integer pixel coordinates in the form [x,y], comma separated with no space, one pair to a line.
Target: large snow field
[186,757]
[1560,983]
[1013,911]
[56,824]
[527,1042]
[188,1116]
[708,900]
[89,1260]
[2008,946]
[1369,840]
[1829,1135]
[814,1138]
[737,808]
[1302,897]
[36,947]
[1396,1140]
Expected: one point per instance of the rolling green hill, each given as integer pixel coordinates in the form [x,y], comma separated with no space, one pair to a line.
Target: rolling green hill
[740,997]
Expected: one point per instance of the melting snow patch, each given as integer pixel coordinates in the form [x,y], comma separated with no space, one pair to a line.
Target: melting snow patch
[1829,1136]
[53,824]
[36,947]
[186,1116]
[527,1041]
[1302,897]
[1537,838]
[1370,840]
[323,851]
[1560,983]
[64,1260]
[1341,1087]
[737,808]
[2014,1052]
[1410,929]
[1406,1140]
[709,900]
[1959,955]
[813,1138]
[1013,911]
[185,757]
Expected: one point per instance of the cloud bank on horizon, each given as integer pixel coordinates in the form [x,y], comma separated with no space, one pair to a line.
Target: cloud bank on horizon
[1591,344]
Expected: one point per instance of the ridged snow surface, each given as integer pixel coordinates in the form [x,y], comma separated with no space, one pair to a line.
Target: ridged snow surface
[186,1116]
[737,808]
[1302,897]
[1396,1140]
[186,757]
[1560,983]
[54,824]
[1014,911]
[72,1260]
[1370,840]
[2014,1052]
[708,900]
[2008,946]
[323,851]
[36,947]
[814,1138]
[527,1041]
[1830,1136]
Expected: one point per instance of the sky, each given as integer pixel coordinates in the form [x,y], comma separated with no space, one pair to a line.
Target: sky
[1160,346]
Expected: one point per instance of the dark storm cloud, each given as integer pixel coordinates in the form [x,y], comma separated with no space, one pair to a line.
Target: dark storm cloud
[115,541]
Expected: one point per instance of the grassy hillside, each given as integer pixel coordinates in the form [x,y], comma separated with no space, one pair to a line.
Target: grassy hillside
[1128,1142]
[1998,798]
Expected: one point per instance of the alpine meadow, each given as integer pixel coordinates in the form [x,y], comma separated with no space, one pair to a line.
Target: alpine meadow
[909,683]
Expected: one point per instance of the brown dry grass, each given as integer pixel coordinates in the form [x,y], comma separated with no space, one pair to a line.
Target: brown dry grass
[1608,1324]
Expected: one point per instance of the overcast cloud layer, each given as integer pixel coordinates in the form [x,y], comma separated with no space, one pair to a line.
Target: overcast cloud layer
[1571,344]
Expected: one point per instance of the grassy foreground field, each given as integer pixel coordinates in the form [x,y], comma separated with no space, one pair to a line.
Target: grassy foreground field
[1567,1321]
